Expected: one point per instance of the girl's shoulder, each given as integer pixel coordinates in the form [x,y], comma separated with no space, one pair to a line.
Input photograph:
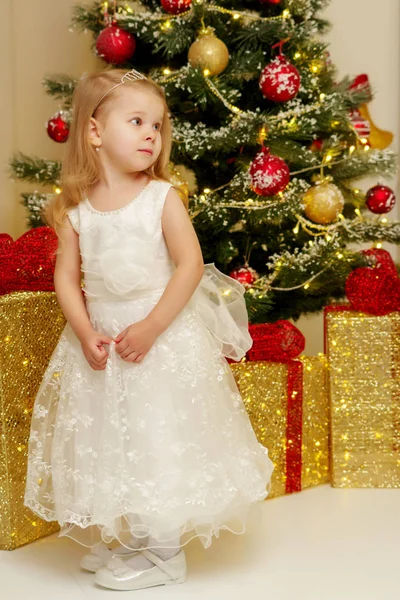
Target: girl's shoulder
[161,188]
[74,216]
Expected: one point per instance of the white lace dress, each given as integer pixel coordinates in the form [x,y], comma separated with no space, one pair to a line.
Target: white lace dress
[151,447]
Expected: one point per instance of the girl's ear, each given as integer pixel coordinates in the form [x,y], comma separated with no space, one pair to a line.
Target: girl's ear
[94,133]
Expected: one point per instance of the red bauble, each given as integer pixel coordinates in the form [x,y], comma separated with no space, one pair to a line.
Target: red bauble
[176,7]
[270,1]
[269,173]
[380,199]
[316,146]
[115,45]
[279,80]
[244,275]
[57,128]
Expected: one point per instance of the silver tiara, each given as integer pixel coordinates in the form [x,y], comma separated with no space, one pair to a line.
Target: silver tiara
[132,75]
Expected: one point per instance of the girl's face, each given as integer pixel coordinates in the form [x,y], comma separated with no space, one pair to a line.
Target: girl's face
[129,134]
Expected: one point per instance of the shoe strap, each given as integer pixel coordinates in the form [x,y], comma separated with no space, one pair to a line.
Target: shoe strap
[156,560]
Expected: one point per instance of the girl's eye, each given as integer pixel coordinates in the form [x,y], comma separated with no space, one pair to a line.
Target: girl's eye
[136,119]
[157,126]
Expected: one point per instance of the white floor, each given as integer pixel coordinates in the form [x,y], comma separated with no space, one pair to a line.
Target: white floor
[320,544]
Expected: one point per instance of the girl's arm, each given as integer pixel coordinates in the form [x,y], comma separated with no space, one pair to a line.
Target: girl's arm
[67,282]
[185,251]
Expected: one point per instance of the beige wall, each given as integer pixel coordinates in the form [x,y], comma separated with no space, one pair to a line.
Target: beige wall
[36,42]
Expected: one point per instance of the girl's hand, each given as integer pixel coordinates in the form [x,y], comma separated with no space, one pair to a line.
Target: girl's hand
[95,353]
[135,341]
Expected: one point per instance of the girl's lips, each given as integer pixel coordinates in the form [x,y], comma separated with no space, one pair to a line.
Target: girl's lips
[147,151]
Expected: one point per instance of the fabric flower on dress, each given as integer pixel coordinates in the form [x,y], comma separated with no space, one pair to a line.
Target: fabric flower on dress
[121,272]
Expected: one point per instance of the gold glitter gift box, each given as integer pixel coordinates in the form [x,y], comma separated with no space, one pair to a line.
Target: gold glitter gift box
[288,407]
[30,326]
[364,383]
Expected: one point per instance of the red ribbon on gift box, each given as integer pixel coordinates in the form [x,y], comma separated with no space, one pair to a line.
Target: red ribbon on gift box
[294,427]
[28,262]
[283,342]
[277,342]
[376,289]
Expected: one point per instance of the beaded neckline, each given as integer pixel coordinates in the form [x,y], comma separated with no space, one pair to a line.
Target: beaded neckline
[118,210]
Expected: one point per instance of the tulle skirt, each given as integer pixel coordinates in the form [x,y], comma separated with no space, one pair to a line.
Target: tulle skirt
[150,448]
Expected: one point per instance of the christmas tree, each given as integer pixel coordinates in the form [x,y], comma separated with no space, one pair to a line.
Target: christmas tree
[268,145]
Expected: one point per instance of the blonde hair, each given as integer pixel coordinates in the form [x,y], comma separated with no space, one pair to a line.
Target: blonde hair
[80,167]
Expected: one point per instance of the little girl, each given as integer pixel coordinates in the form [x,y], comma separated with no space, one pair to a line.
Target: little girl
[139,435]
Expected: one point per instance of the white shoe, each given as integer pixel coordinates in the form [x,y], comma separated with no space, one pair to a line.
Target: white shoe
[117,575]
[100,555]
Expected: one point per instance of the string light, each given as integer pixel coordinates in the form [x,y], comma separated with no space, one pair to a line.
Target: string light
[57,189]
[351,150]
[238,13]
[217,93]
[262,134]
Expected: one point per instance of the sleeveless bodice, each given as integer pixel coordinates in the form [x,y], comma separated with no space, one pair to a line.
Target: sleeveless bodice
[123,251]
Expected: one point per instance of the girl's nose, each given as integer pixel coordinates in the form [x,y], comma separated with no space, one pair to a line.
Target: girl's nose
[150,136]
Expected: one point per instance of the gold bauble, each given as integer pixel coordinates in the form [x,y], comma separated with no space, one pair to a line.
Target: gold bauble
[179,183]
[189,177]
[209,52]
[323,203]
